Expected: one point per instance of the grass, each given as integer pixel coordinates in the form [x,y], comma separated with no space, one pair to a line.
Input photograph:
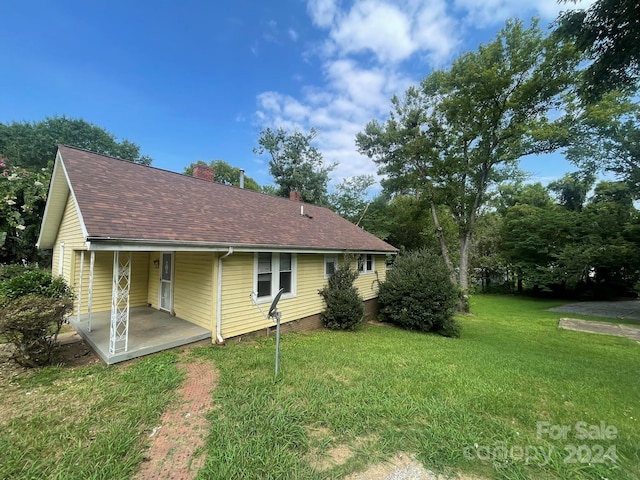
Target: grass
[346,400]
[454,403]
[89,423]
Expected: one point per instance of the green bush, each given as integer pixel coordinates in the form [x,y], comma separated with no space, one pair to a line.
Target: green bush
[31,323]
[344,308]
[14,269]
[33,307]
[418,295]
[33,282]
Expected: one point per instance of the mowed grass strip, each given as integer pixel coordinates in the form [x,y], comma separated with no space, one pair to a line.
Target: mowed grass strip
[469,405]
[89,423]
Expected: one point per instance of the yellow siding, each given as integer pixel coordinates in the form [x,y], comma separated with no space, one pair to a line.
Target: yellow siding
[193,288]
[239,314]
[103,280]
[139,279]
[367,283]
[69,233]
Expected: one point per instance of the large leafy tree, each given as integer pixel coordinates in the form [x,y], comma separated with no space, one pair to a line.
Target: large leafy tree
[572,189]
[592,249]
[295,164]
[349,198]
[605,137]
[23,195]
[607,33]
[27,151]
[34,145]
[462,131]
[226,174]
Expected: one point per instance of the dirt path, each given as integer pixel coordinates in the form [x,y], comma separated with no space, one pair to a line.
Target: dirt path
[177,450]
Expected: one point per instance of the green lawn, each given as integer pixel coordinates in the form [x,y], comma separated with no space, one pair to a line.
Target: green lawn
[366,395]
[451,402]
[89,423]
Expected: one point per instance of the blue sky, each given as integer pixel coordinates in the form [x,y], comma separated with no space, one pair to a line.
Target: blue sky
[196,80]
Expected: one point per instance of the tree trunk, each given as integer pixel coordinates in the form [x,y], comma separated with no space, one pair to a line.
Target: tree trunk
[443,245]
[463,274]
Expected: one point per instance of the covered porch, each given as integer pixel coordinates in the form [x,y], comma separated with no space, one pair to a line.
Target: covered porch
[149,331]
[131,304]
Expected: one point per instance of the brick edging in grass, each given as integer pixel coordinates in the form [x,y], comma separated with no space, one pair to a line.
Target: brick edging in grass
[183,428]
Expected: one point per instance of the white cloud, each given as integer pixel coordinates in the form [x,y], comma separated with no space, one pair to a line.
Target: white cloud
[293,34]
[351,97]
[495,12]
[365,59]
[391,31]
[375,26]
[322,12]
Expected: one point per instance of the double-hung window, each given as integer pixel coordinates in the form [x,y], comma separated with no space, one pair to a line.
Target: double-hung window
[274,271]
[366,263]
[330,265]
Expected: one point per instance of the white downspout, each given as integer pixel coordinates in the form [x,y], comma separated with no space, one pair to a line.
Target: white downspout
[219,306]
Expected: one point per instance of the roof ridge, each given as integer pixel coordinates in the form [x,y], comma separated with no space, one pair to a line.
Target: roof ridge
[129,162]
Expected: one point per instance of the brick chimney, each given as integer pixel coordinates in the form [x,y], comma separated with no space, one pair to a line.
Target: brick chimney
[295,196]
[204,172]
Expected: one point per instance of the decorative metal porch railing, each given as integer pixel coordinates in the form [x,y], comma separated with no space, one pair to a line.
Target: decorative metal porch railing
[119,332]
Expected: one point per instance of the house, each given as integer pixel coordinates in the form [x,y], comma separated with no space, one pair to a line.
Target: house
[159,259]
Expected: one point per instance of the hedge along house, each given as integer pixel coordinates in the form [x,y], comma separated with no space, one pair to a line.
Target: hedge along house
[158,259]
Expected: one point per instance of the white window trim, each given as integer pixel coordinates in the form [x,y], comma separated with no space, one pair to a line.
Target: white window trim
[364,270]
[275,279]
[61,259]
[330,257]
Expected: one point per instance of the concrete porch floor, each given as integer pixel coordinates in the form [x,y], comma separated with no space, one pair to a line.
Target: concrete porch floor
[150,331]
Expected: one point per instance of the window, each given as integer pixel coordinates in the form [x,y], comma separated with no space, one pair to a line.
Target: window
[366,263]
[285,272]
[274,271]
[330,265]
[264,274]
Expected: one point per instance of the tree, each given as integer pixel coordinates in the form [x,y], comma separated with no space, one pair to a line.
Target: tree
[34,145]
[532,239]
[226,174]
[605,137]
[295,164]
[23,196]
[27,151]
[571,190]
[607,33]
[591,250]
[463,131]
[349,199]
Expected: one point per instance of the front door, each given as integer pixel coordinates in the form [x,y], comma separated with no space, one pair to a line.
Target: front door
[166,282]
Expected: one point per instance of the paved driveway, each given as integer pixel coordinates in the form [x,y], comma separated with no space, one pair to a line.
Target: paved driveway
[626,309]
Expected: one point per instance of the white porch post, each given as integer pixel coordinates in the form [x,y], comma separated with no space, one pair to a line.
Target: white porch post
[119,332]
[90,299]
[80,284]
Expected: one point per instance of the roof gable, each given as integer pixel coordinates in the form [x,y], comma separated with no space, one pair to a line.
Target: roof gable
[123,201]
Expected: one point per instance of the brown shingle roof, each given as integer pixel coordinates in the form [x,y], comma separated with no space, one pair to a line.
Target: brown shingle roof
[125,201]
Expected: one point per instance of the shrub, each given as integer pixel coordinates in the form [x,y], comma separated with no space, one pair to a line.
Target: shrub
[344,308]
[33,307]
[14,269]
[33,282]
[31,323]
[418,295]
